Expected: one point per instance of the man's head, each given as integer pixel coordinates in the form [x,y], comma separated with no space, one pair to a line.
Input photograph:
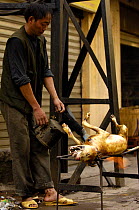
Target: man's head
[38,17]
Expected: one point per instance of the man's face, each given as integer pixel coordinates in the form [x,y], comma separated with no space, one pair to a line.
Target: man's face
[38,27]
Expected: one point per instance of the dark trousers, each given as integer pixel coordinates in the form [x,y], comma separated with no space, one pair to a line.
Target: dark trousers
[30,159]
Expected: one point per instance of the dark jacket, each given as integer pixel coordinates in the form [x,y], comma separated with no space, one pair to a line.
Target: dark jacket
[10,92]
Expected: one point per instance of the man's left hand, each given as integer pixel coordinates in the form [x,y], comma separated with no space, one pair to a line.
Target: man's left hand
[59,106]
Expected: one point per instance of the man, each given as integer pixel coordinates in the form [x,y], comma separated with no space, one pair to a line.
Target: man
[25,71]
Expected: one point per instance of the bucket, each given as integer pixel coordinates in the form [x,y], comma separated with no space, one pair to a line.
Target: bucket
[49,134]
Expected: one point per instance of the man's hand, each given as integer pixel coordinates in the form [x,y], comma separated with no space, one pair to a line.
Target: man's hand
[40,116]
[49,84]
[59,106]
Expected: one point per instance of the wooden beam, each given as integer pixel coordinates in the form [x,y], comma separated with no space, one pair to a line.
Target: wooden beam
[86,48]
[132,4]
[85,101]
[15,6]
[111,72]
[110,61]
[12,6]
[57,68]
[89,6]
[106,121]
[71,1]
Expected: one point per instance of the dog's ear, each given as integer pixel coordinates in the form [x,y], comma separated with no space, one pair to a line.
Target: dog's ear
[89,153]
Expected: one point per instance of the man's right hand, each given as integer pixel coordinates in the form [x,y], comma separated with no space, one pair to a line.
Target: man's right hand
[38,113]
[40,116]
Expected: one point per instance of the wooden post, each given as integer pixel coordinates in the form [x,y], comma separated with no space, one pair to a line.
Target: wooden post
[111,71]
[57,68]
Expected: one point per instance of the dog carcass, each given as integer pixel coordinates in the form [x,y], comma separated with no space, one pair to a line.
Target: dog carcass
[101,144]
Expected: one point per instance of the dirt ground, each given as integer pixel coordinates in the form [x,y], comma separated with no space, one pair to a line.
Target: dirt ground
[126,197]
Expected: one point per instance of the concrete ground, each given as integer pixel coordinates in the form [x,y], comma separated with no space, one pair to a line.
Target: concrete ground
[126,197]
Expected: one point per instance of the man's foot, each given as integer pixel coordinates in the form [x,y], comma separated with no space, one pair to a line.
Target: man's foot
[50,198]
[51,195]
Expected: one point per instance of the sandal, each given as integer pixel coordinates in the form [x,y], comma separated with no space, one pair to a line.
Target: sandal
[29,204]
[61,202]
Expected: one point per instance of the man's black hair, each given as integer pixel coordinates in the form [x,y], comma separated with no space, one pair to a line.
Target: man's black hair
[37,10]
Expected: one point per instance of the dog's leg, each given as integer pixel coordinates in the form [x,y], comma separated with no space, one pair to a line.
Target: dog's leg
[113,118]
[70,134]
[123,130]
[95,128]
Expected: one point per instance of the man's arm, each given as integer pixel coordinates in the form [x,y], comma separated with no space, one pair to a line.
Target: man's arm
[49,85]
[18,66]
[39,114]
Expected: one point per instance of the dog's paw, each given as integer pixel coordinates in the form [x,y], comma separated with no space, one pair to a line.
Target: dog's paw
[113,118]
[87,116]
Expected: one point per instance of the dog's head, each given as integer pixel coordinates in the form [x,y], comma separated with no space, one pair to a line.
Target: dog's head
[85,153]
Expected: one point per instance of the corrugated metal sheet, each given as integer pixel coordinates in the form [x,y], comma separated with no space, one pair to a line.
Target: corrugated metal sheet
[74,49]
[9,24]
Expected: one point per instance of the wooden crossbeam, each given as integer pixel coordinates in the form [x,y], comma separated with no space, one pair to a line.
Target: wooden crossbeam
[106,120]
[110,60]
[15,6]
[12,6]
[71,1]
[85,101]
[86,48]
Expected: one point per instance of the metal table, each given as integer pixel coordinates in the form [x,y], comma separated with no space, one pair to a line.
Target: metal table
[102,172]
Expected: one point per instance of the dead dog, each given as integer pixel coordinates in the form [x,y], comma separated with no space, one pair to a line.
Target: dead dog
[101,144]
